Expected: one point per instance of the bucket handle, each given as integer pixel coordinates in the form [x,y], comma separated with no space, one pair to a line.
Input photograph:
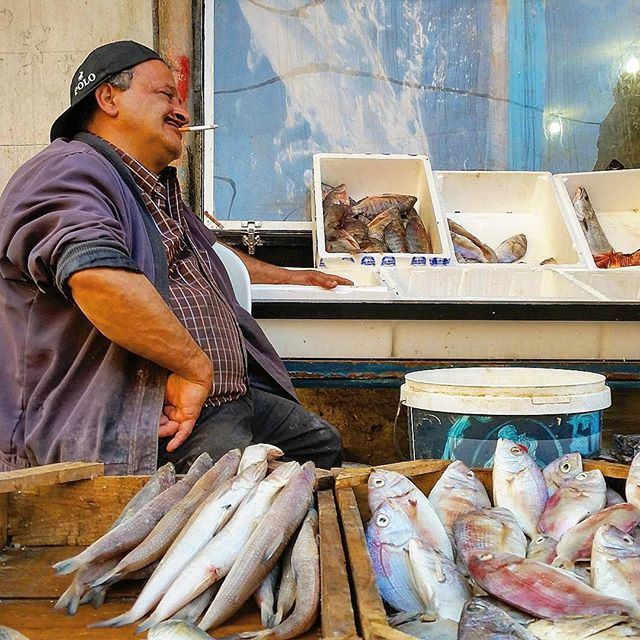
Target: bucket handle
[396,445]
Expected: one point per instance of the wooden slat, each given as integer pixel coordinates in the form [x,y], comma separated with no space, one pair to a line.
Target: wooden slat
[37,620]
[338,620]
[368,601]
[4,519]
[25,479]
[356,477]
[69,514]
[609,469]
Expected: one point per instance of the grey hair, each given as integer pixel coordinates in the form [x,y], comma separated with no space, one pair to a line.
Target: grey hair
[120,80]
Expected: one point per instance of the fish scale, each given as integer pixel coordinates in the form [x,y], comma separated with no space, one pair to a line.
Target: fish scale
[263,548]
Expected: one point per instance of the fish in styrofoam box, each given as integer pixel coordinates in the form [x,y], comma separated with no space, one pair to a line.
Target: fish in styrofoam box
[615,198]
[386,182]
[516,214]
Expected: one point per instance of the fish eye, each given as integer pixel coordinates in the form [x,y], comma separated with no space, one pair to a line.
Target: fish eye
[517,451]
[628,540]
[470,474]
[486,556]
[475,606]
[539,540]
[382,520]
[565,467]
[378,482]
[581,476]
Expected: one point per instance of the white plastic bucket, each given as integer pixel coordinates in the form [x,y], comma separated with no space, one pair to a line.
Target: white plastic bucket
[459,413]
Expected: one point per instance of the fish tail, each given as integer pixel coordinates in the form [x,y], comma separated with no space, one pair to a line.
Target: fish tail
[148,623]
[68,566]
[115,572]
[118,621]
[69,600]
[267,618]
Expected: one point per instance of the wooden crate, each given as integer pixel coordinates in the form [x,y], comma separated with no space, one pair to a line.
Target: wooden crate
[353,506]
[45,524]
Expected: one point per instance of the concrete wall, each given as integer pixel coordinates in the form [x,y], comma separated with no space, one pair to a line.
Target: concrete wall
[42,42]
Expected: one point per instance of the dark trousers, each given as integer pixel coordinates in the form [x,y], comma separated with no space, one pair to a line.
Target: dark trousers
[259,416]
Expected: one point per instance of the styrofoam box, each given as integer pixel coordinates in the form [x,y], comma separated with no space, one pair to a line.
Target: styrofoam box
[367,285]
[470,283]
[615,196]
[370,175]
[495,205]
[617,285]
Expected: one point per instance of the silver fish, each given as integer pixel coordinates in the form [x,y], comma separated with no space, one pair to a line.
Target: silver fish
[558,471]
[615,564]
[266,597]
[466,250]
[588,219]
[540,589]
[388,535]
[457,491]
[395,237]
[418,240]
[576,543]
[518,485]
[135,529]
[604,627]
[543,549]
[210,516]
[437,580]
[177,630]
[287,588]
[512,249]
[215,559]
[257,453]
[483,620]
[490,529]
[264,547]
[578,498]
[613,497]
[305,563]
[194,609]
[171,524]
[384,484]
[487,252]
[632,487]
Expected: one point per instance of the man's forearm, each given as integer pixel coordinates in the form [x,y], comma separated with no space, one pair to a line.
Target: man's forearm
[126,308]
[262,272]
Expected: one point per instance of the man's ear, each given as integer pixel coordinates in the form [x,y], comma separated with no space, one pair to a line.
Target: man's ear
[105,96]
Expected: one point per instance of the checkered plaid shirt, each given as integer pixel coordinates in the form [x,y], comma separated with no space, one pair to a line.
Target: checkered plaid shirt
[194,295]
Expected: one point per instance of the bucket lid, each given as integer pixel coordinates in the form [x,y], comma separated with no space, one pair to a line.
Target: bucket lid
[506,391]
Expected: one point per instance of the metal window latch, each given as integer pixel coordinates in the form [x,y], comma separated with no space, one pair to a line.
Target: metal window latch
[251,239]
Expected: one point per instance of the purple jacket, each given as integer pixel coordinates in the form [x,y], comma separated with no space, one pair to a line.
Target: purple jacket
[66,391]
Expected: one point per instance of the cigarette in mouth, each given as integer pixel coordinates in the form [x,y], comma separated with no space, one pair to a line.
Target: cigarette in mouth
[198,127]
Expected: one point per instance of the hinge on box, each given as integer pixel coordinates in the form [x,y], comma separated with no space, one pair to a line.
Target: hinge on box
[251,239]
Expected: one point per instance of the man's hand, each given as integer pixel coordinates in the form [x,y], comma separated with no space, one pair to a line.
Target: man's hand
[312,277]
[183,402]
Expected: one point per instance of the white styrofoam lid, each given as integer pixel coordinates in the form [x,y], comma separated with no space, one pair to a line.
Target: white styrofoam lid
[506,390]
[506,380]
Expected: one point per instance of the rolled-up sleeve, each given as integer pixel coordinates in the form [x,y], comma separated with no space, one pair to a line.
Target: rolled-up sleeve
[60,217]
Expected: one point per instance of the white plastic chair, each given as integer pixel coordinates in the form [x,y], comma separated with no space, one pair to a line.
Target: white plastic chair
[238,275]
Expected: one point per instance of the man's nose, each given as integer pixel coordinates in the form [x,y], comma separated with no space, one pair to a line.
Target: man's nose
[181,115]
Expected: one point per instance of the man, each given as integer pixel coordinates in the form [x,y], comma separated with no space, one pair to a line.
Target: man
[118,324]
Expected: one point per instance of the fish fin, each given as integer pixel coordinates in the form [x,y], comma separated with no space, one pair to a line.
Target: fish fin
[68,566]
[118,621]
[147,624]
[106,576]
[99,597]
[69,600]
[440,576]
[273,548]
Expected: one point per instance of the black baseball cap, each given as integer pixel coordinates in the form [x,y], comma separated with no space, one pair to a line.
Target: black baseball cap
[98,66]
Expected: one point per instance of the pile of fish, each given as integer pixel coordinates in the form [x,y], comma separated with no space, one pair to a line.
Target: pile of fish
[387,223]
[469,248]
[209,541]
[603,253]
[552,555]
